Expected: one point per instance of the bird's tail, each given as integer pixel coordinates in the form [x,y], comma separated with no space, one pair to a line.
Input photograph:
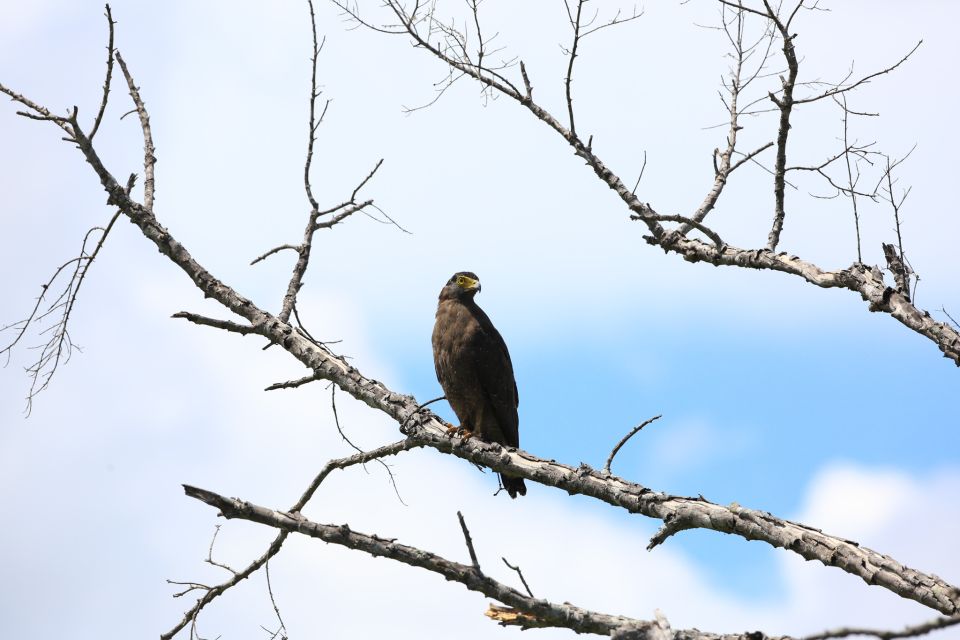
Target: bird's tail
[513,485]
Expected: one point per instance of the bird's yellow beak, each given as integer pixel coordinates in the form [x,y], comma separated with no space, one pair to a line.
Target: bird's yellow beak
[470,284]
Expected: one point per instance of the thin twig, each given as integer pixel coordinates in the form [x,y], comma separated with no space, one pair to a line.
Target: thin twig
[689,223]
[106,82]
[386,467]
[899,264]
[213,592]
[149,156]
[266,255]
[273,601]
[58,348]
[785,104]
[336,420]
[312,123]
[907,632]
[519,573]
[850,181]
[946,313]
[750,156]
[623,440]
[469,541]
[226,325]
[293,384]
[642,169]
[723,168]
[843,88]
[568,80]
[210,559]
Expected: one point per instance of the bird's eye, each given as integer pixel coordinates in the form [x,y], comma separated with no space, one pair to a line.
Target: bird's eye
[461,280]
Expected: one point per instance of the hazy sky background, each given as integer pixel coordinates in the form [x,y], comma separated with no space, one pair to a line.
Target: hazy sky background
[775,394]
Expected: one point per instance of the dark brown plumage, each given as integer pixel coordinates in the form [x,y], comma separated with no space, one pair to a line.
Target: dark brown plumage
[474,369]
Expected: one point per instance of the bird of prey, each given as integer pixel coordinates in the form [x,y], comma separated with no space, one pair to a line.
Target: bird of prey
[473,367]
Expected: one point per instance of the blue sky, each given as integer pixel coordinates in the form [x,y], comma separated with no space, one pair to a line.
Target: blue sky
[775,394]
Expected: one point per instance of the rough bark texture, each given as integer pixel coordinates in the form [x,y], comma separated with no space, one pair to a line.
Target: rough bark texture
[422,428]
[544,613]
[678,513]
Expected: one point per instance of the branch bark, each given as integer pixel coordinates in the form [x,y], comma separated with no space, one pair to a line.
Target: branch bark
[678,513]
[539,612]
[238,576]
[867,283]
[424,429]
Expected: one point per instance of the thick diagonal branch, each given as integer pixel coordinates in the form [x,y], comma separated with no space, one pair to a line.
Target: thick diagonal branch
[872,567]
[856,278]
[543,612]
[677,512]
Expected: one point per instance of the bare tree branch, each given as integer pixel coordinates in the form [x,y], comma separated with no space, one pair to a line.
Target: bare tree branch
[785,104]
[723,169]
[545,613]
[842,87]
[908,632]
[519,573]
[897,261]
[214,592]
[868,284]
[59,346]
[424,429]
[469,541]
[692,224]
[273,601]
[269,253]
[293,384]
[851,183]
[106,82]
[623,440]
[226,325]
[345,209]
[678,513]
[575,25]
[210,559]
[149,157]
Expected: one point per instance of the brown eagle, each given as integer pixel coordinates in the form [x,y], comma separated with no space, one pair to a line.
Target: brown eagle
[474,369]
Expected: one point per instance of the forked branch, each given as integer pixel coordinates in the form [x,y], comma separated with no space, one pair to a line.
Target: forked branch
[866,282]
[678,513]
[539,612]
[211,593]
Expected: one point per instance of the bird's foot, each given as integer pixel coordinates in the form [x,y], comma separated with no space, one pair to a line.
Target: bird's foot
[460,432]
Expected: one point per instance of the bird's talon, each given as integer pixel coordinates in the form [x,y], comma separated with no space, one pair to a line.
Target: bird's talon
[460,432]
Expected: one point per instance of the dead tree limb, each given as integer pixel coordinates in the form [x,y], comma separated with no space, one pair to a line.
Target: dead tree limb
[866,282]
[907,632]
[424,429]
[678,513]
[542,612]
[211,593]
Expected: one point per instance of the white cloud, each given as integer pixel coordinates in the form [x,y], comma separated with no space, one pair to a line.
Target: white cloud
[910,518]
[681,447]
[116,484]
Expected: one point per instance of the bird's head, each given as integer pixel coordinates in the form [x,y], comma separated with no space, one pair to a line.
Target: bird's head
[463,285]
